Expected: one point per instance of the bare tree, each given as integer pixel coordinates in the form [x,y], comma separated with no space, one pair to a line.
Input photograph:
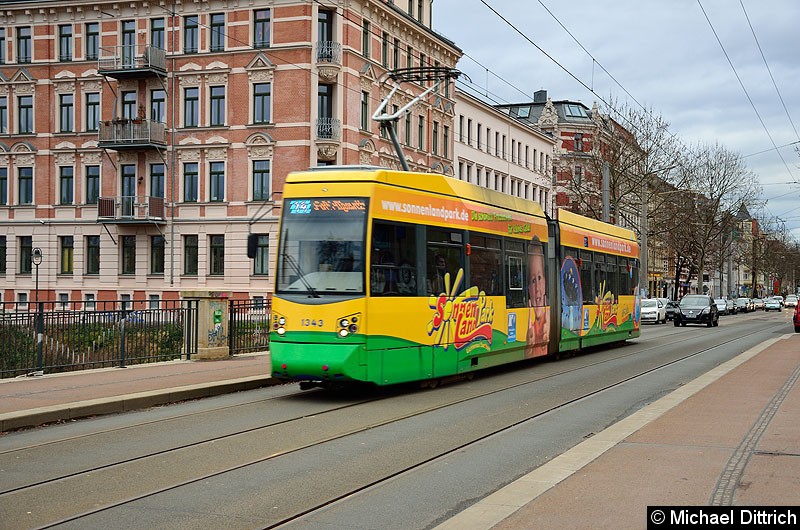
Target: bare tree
[719,184]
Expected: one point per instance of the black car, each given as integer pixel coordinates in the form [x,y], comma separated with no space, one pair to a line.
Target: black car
[697,309]
[672,308]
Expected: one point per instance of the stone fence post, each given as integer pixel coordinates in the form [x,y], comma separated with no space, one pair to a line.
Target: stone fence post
[212,323]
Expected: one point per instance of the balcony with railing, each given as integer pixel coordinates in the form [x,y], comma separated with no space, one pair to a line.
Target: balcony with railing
[328,138]
[329,52]
[131,209]
[132,61]
[121,134]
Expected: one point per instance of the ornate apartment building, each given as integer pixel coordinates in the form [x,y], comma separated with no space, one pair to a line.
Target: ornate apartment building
[500,152]
[141,142]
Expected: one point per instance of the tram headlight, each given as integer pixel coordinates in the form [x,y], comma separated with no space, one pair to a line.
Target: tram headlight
[281,331]
[347,325]
[281,321]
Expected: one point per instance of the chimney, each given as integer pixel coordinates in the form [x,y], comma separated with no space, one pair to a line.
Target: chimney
[540,96]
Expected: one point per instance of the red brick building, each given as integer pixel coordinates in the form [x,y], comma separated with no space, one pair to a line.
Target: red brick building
[141,142]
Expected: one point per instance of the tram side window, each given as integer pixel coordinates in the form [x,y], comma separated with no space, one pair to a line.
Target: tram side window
[586,264]
[394,260]
[485,259]
[445,262]
[624,277]
[612,276]
[516,272]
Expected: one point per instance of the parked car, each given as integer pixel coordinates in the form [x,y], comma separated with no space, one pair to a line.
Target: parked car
[796,318]
[671,308]
[780,299]
[758,303]
[744,305]
[773,303]
[791,300]
[722,306]
[652,310]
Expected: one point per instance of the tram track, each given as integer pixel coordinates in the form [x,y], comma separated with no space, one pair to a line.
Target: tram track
[159,458]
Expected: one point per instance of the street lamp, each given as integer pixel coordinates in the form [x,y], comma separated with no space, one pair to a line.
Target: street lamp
[36,258]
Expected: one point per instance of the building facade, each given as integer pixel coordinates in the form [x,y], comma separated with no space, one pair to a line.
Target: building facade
[142,142]
[501,153]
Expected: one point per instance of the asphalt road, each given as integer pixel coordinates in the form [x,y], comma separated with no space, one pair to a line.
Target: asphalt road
[397,458]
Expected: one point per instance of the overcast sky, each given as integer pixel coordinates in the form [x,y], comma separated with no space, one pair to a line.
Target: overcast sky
[666,56]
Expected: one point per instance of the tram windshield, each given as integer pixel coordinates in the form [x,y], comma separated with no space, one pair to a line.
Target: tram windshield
[322,247]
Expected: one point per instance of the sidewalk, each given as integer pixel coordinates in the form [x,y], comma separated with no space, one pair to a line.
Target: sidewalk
[731,437]
[35,400]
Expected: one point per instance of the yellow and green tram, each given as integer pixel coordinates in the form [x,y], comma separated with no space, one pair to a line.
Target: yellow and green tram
[388,277]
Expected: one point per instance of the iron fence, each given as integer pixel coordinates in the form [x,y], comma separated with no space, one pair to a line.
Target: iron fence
[63,336]
[249,322]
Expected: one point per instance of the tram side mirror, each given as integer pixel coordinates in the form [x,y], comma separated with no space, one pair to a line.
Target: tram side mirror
[252,245]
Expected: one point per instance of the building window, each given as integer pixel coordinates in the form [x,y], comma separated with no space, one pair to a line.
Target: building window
[190,34]
[128,42]
[446,141]
[577,176]
[153,301]
[421,132]
[190,255]
[419,10]
[92,184]
[157,254]
[157,33]
[217,96]
[261,20]
[191,113]
[435,140]
[217,32]
[261,102]
[217,254]
[66,104]
[24,49]
[92,111]
[65,42]
[385,50]
[25,122]
[216,177]
[261,180]
[129,105]
[67,254]
[366,36]
[157,180]
[92,41]
[408,128]
[3,114]
[25,245]
[578,142]
[3,185]
[128,244]
[158,105]
[365,111]
[190,181]
[396,53]
[2,45]
[325,111]
[67,184]
[89,303]
[3,254]
[92,251]
[25,185]
[261,262]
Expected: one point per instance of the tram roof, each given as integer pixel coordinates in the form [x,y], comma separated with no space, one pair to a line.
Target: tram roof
[587,223]
[427,182]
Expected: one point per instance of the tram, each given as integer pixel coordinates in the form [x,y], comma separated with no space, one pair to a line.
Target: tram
[390,277]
